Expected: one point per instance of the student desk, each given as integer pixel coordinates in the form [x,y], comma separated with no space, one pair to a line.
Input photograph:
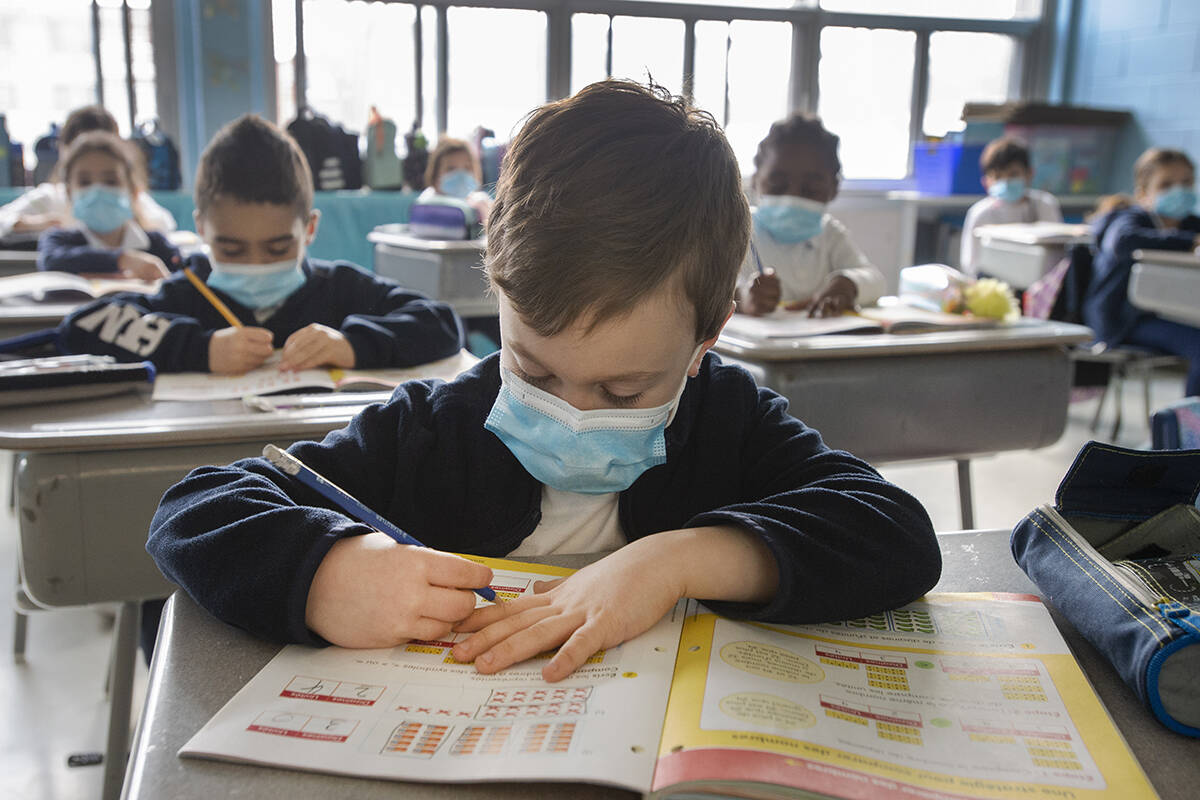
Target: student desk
[19,319]
[917,207]
[1020,254]
[944,394]
[200,663]
[89,476]
[447,270]
[17,262]
[1167,283]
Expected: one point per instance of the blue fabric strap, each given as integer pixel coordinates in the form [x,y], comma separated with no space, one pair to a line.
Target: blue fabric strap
[1181,615]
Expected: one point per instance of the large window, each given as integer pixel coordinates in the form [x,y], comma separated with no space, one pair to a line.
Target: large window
[882,73]
[741,77]
[487,91]
[57,55]
[866,98]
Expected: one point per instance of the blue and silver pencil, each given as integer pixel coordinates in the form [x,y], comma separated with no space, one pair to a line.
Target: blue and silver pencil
[345,501]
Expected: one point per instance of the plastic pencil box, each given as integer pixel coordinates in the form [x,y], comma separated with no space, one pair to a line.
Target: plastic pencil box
[1118,554]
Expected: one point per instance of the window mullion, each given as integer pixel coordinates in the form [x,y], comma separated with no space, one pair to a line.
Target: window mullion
[96,52]
[920,93]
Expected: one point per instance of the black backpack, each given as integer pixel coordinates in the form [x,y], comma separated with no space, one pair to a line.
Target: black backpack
[331,151]
[161,156]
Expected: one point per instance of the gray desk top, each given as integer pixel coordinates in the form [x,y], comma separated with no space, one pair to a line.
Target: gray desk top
[1172,258]
[1166,283]
[1023,334]
[967,200]
[48,313]
[131,422]
[17,262]
[200,663]
[397,235]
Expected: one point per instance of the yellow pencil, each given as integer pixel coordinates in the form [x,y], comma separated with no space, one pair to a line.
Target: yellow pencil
[212,298]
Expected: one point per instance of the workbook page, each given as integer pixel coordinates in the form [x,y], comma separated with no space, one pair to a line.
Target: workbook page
[414,713]
[953,696]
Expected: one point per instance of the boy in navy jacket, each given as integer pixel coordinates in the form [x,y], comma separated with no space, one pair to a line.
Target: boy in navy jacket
[614,247]
[254,211]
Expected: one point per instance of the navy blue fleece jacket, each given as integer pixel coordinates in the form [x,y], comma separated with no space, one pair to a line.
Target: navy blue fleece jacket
[68,250]
[245,540]
[387,325]
[1106,306]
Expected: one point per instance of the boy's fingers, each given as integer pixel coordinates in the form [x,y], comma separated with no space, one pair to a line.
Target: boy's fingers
[525,642]
[427,628]
[455,572]
[449,605]
[486,615]
[545,586]
[583,644]
[495,634]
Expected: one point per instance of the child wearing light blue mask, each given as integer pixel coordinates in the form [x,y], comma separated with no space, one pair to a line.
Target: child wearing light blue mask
[1160,216]
[254,214]
[454,171]
[603,424]
[99,175]
[1007,177]
[799,255]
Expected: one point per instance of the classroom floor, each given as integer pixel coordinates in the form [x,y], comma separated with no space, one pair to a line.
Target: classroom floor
[55,705]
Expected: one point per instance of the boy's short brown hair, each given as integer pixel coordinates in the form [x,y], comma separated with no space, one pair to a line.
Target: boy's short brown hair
[251,160]
[605,196]
[1003,153]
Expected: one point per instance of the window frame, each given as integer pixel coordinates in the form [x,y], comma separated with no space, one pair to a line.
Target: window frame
[1029,77]
[129,82]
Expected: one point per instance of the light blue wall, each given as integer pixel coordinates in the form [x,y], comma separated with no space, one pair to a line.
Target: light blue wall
[1144,56]
[221,69]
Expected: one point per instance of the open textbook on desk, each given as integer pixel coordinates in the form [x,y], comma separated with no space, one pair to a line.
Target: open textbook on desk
[893,318]
[954,696]
[269,379]
[64,288]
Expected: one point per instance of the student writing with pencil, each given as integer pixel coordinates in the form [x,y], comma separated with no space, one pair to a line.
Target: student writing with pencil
[256,291]
[603,424]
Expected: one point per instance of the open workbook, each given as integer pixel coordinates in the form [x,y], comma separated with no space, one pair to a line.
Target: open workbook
[269,379]
[894,318]
[954,696]
[54,288]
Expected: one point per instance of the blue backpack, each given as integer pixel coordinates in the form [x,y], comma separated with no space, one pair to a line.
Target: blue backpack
[162,157]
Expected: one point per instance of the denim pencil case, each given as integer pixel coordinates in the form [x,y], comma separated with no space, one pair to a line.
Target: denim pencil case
[1118,554]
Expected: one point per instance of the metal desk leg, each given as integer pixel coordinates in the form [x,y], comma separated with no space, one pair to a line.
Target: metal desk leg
[116,753]
[966,507]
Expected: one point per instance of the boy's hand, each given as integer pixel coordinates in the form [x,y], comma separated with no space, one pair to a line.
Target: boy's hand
[316,346]
[601,606]
[370,591]
[763,295]
[146,266]
[836,296]
[232,351]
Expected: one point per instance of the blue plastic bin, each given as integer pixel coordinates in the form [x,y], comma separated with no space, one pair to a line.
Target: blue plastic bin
[947,167]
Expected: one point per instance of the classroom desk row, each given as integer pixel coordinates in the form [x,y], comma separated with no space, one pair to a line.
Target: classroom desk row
[1168,284]
[200,663]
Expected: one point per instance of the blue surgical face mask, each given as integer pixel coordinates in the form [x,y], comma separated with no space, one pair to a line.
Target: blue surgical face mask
[102,209]
[1176,202]
[458,183]
[258,286]
[789,219]
[590,452]
[1010,190]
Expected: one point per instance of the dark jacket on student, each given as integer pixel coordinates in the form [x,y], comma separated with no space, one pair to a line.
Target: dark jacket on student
[245,540]
[387,325]
[69,250]
[1106,306]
